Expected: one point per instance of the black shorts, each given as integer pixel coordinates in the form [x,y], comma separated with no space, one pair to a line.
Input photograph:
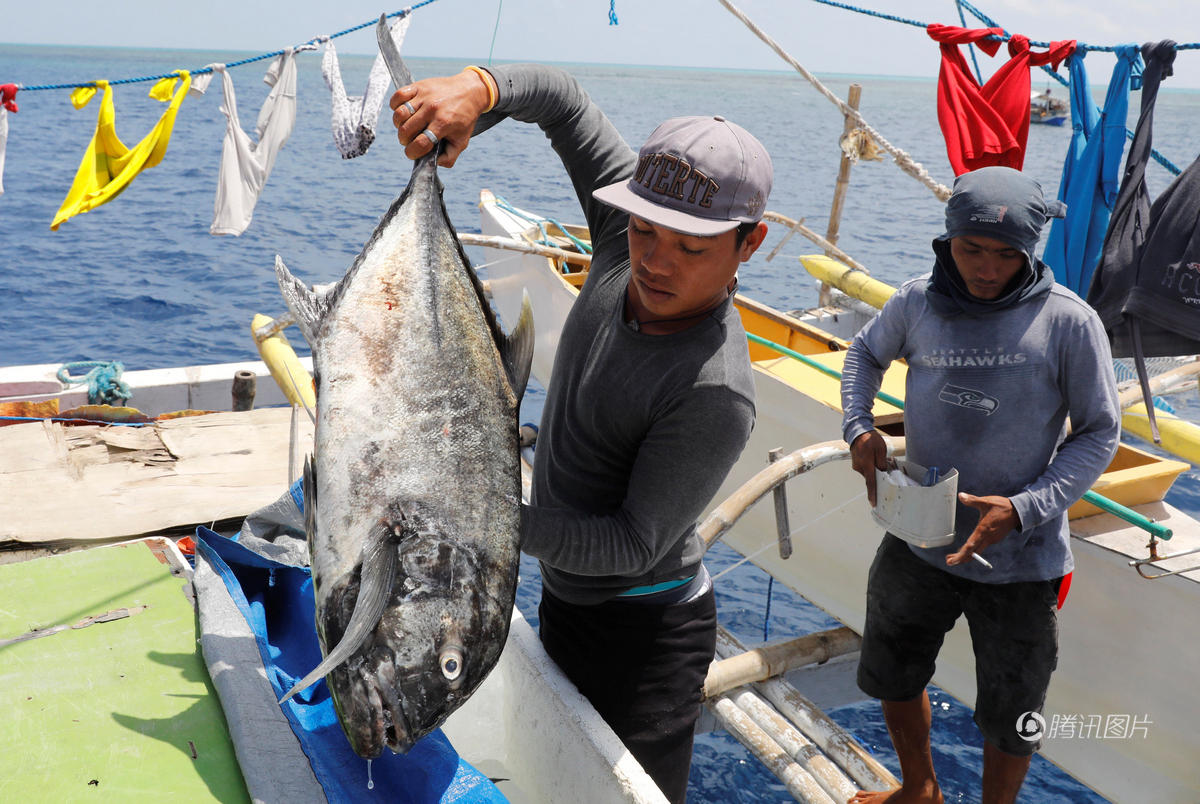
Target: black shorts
[911,605]
[643,667]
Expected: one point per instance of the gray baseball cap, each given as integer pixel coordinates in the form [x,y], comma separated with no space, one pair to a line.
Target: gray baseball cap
[1002,203]
[696,175]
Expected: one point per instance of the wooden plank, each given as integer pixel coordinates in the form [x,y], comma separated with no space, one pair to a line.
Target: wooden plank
[24,447]
[82,484]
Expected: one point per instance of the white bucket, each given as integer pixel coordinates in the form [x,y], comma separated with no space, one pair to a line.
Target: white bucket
[923,516]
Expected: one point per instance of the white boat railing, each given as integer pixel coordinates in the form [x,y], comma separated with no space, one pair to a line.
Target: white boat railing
[778,472]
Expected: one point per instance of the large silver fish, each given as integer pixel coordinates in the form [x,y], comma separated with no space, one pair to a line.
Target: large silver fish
[412,497]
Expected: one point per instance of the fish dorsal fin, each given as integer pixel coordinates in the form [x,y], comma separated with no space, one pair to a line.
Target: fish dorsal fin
[308,305]
[516,348]
[379,561]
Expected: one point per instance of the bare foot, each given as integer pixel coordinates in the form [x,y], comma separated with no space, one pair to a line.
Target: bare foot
[926,795]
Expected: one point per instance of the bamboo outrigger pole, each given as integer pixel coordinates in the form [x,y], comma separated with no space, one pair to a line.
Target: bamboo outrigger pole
[777,658]
[839,189]
[1163,383]
[814,724]
[800,783]
[490,241]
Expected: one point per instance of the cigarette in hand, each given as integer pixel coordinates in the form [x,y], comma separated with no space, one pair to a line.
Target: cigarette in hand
[982,560]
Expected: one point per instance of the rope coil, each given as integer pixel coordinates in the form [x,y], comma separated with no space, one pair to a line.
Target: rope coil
[104,383]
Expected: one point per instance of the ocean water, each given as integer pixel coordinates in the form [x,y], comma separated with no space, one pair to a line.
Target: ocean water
[140,279]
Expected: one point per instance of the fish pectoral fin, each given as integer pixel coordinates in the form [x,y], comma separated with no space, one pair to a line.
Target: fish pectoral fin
[308,305]
[376,578]
[516,350]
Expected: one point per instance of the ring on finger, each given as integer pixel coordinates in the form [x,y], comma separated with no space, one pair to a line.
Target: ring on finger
[408,107]
[432,137]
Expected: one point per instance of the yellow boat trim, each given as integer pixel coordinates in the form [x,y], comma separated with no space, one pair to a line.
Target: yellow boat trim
[855,284]
[289,373]
[826,389]
[1179,437]
[1134,477]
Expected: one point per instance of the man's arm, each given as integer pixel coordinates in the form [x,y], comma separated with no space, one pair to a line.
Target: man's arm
[452,107]
[680,465]
[872,351]
[1089,390]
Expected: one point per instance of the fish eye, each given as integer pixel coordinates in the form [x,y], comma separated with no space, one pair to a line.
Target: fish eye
[451,662]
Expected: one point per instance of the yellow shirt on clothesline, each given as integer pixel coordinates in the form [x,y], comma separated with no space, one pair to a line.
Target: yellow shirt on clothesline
[108,166]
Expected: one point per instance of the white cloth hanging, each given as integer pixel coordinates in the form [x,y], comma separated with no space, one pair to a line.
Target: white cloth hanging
[8,95]
[3,143]
[354,117]
[245,165]
[200,81]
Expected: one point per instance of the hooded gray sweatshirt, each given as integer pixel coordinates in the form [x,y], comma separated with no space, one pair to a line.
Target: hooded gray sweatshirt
[991,386]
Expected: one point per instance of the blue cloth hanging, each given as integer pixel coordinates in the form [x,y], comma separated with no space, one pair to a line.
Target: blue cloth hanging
[1092,170]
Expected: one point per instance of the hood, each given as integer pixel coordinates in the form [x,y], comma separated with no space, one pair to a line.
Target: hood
[948,294]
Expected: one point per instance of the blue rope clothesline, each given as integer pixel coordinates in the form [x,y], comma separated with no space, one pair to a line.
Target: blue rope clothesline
[975,61]
[201,70]
[612,13]
[982,17]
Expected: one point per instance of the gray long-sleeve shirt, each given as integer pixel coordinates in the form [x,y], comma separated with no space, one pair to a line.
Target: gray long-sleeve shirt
[989,395]
[639,431]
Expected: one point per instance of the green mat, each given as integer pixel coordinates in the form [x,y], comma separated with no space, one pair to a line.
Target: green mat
[116,710]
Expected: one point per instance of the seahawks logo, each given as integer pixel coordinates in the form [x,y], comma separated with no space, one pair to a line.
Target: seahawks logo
[968,398]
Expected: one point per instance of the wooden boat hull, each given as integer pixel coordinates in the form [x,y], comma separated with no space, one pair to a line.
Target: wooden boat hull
[527,723]
[155,391]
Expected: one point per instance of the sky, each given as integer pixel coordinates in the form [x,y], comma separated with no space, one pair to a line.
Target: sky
[681,33]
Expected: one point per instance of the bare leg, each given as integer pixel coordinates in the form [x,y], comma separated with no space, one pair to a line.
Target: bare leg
[908,724]
[1003,775]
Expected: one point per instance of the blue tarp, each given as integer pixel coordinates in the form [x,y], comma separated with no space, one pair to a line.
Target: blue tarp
[1092,170]
[277,601]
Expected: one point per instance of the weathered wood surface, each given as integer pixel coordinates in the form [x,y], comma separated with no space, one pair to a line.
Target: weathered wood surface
[65,485]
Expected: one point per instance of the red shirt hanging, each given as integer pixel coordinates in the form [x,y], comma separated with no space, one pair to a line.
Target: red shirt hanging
[989,124]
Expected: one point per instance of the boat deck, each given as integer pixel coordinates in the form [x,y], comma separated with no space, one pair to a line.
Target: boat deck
[99,483]
[104,690]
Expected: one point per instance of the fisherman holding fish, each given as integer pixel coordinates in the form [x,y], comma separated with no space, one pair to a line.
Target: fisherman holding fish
[652,396]
[1010,381]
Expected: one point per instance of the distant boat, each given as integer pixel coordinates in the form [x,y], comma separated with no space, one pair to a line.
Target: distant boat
[1046,110]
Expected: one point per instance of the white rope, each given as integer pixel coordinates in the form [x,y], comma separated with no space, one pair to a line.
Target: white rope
[795,227]
[801,529]
[906,162]
[497,261]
